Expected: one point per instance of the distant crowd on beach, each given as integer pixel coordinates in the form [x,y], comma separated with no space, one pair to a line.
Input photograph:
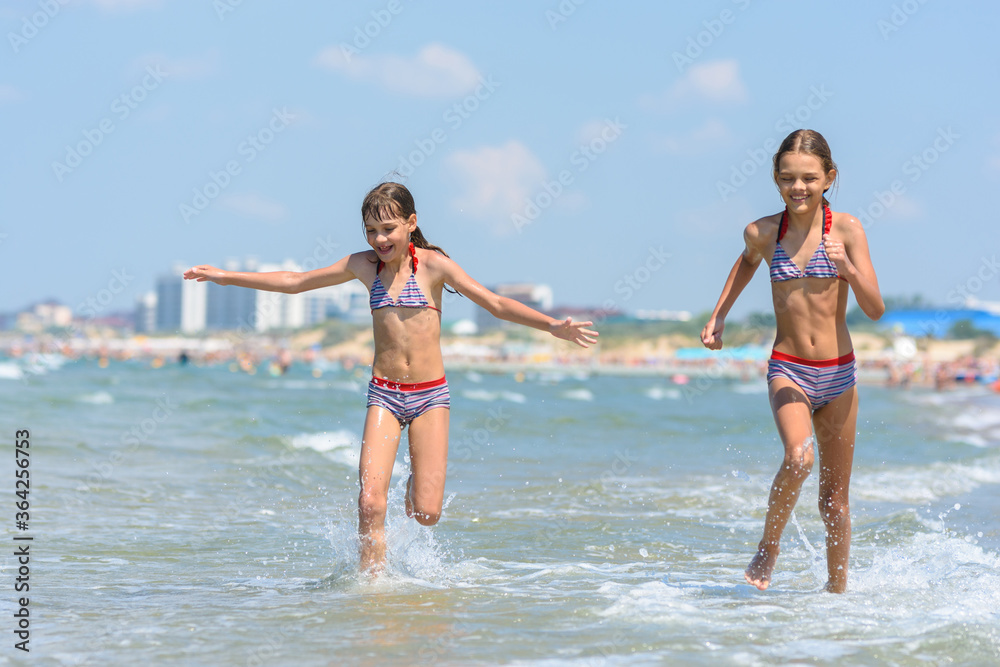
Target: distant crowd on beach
[944,375]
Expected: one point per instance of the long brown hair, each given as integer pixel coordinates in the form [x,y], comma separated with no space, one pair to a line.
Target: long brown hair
[392,200]
[807,142]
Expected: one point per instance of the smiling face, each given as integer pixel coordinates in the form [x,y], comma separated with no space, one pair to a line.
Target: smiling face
[802,181]
[390,238]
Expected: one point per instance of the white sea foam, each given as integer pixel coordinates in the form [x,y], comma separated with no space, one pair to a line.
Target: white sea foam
[97,398]
[341,446]
[914,484]
[578,395]
[10,371]
[414,556]
[750,388]
[493,396]
[660,393]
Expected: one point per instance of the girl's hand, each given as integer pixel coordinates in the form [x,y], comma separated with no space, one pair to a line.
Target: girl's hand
[574,332]
[205,272]
[837,254]
[711,335]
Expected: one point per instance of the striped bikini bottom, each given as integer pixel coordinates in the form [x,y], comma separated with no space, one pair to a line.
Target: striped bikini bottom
[821,380]
[407,401]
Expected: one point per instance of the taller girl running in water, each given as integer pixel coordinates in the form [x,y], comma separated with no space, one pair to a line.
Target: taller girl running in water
[405,276]
[814,254]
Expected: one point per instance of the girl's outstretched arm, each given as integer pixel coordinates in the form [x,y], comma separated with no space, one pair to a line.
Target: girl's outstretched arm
[855,264]
[739,277]
[511,310]
[289,282]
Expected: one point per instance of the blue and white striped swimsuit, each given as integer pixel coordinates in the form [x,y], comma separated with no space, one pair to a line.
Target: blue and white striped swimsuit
[407,401]
[819,266]
[410,297]
[821,380]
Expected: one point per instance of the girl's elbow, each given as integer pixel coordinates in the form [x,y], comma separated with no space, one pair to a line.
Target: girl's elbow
[876,313]
[295,283]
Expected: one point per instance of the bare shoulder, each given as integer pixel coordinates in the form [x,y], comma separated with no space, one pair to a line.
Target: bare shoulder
[762,232]
[433,260]
[363,263]
[439,267]
[847,226]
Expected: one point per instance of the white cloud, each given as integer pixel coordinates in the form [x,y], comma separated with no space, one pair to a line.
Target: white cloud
[253,205]
[436,71]
[904,208]
[10,94]
[717,81]
[496,181]
[707,136]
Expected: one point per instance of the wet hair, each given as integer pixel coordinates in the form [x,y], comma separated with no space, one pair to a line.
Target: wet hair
[807,142]
[392,200]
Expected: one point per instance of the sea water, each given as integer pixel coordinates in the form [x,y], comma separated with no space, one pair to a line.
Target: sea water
[200,516]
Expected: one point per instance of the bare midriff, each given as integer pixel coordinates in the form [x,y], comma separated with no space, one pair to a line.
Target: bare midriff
[407,344]
[810,315]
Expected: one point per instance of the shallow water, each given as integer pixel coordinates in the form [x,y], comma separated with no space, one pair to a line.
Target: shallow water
[198,516]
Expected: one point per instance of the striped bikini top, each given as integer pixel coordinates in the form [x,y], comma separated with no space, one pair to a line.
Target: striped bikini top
[410,297]
[820,265]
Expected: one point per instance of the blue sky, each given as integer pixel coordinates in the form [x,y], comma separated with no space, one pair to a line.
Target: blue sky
[614,151]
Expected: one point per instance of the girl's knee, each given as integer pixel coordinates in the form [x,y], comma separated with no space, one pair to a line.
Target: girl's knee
[834,507]
[372,505]
[798,463]
[427,518]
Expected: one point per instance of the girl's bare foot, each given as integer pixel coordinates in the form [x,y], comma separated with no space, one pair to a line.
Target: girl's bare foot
[836,586]
[758,572]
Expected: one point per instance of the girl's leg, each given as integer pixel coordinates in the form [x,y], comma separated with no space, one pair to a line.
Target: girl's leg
[428,465]
[378,453]
[835,425]
[792,414]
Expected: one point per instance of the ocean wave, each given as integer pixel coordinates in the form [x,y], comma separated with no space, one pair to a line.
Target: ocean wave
[97,398]
[493,396]
[578,395]
[660,393]
[935,481]
[342,446]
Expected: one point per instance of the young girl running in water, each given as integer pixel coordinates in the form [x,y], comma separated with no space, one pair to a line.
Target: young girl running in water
[814,255]
[405,276]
